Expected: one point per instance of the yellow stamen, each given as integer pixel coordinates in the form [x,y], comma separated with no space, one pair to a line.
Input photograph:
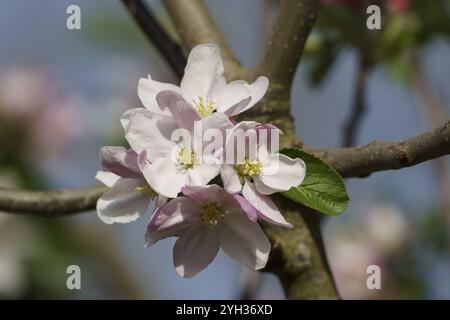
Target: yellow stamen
[211,214]
[249,168]
[204,109]
[146,189]
[186,157]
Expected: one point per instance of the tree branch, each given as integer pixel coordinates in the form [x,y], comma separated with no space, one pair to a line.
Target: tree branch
[287,40]
[52,202]
[195,25]
[170,50]
[349,162]
[353,123]
[379,156]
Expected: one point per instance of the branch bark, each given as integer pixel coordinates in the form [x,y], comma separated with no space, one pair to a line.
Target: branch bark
[382,155]
[169,49]
[52,202]
[195,25]
[287,40]
[353,123]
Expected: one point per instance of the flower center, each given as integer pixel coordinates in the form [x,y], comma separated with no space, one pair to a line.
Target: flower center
[211,214]
[146,189]
[186,158]
[204,109]
[249,168]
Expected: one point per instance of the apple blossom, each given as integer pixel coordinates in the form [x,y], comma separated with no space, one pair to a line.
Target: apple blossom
[166,164]
[130,195]
[259,172]
[204,87]
[204,220]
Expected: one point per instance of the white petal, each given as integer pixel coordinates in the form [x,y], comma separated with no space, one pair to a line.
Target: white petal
[125,119]
[165,177]
[147,91]
[283,173]
[170,219]
[244,240]
[148,131]
[182,112]
[267,210]
[194,250]
[121,161]
[230,179]
[201,174]
[122,204]
[217,88]
[257,90]
[235,96]
[204,68]
[107,178]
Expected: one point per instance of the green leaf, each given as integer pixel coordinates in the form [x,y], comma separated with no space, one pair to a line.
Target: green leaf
[323,189]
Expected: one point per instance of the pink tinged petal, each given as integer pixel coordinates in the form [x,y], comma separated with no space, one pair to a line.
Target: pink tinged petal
[204,194]
[182,112]
[244,240]
[282,173]
[216,89]
[257,90]
[234,97]
[230,179]
[150,132]
[165,177]
[125,119]
[194,250]
[250,210]
[107,178]
[204,68]
[201,174]
[267,210]
[148,90]
[170,219]
[122,204]
[120,161]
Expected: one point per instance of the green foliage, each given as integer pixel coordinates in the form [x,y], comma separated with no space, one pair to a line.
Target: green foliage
[323,189]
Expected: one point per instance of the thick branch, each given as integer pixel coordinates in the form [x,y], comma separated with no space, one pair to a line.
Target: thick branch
[170,50]
[379,155]
[287,40]
[52,202]
[195,25]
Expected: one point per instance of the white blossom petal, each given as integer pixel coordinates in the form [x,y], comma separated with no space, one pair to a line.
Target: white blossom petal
[194,250]
[244,240]
[204,68]
[149,88]
[150,132]
[283,173]
[122,204]
[170,219]
[267,210]
[230,179]
[165,176]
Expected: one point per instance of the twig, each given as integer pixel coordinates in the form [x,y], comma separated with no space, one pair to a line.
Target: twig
[353,123]
[170,50]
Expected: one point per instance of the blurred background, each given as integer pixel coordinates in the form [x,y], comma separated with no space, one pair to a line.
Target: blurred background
[62,93]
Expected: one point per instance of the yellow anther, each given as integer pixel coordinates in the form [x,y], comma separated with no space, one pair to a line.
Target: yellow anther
[249,168]
[204,109]
[146,189]
[186,157]
[211,214]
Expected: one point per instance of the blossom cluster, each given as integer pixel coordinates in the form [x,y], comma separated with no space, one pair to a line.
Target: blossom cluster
[203,196]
